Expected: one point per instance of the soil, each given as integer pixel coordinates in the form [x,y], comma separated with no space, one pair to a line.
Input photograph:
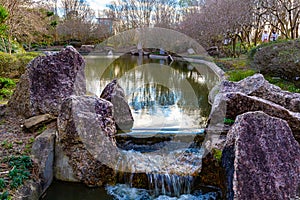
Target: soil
[15,140]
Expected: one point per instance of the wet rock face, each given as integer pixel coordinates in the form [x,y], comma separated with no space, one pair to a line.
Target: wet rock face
[261,158]
[48,80]
[114,93]
[257,86]
[86,135]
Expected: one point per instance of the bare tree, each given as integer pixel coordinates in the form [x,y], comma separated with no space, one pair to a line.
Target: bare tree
[283,15]
[142,13]
[77,23]
[25,22]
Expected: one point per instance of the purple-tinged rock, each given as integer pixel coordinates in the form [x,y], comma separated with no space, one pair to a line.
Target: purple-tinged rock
[86,132]
[257,86]
[47,81]
[261,158]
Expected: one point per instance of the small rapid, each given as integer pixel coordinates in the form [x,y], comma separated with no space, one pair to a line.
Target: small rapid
[125,192]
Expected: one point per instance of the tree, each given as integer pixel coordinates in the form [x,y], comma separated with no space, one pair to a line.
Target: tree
[25,22]
[283,15]
[77,23]
[131,14]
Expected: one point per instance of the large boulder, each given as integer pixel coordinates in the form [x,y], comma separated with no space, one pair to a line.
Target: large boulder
[261,158]
[257,86]
[114,93]
[279,59]
[232,104]
[47,81]
[86,132]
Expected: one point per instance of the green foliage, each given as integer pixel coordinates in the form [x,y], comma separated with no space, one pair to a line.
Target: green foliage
[42,129]
[20,171]
[7,86]
[28,146]
[5,196]
[217,153]
[2,183]
[15,62]
[6,62]
[54,23]
[50,13]
[228,121]
[283,84]
[237,75]
[3,17]
[21,162]
[7,82]
[6,144]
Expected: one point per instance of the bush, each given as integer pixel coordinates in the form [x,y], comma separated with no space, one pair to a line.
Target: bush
[6,87]
[7,61]
[15,63]
[238,75]
[255,49]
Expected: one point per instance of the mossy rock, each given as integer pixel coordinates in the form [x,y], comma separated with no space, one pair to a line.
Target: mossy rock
[279,60]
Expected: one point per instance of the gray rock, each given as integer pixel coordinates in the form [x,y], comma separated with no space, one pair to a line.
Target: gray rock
[63,171]
[47,81]
[31,190]
[114,93]
[86,132]
[232,104]
[261,158]
[38,120]
[43,155]
[257,86]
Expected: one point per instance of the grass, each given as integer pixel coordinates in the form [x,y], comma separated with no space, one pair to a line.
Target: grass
[283,84]
[237,75]
[239,68]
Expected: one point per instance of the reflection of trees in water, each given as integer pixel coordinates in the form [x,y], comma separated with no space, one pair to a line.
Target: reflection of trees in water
[146,93]
[150,95]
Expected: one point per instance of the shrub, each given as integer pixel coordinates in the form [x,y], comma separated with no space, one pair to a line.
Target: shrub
[6,87]
[15,63]
[7,61]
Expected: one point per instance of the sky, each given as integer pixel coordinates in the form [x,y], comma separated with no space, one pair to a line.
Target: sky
[98,4]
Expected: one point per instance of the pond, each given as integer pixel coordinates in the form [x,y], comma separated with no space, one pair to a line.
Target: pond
[166,98]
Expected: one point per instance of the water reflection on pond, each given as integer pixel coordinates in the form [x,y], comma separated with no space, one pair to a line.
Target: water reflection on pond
[160,94]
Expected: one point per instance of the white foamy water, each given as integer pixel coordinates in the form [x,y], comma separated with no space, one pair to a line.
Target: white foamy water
[124,192]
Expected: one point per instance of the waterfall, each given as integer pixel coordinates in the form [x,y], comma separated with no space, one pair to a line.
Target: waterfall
[167,173]
[170,184]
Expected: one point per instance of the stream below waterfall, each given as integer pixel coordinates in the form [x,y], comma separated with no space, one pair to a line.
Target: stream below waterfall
[169,103]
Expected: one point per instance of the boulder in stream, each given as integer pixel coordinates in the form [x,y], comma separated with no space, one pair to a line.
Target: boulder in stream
[261,158]
[86,132]
[114,93]
[47,81]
